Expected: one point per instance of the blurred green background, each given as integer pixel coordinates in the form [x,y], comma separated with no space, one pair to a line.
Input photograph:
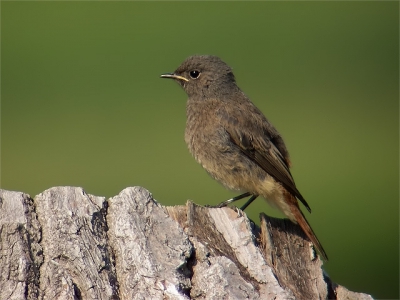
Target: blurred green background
[82,104]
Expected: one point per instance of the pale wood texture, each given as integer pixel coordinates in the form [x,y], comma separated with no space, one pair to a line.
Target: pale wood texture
[66,244]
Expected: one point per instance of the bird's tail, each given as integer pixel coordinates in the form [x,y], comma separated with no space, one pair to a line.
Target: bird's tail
[302,221]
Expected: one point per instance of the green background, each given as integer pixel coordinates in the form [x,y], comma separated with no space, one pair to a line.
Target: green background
[82,104]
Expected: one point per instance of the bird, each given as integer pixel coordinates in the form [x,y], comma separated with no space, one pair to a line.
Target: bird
[234,142]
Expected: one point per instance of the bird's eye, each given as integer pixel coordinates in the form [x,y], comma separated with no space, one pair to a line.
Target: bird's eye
[194,74]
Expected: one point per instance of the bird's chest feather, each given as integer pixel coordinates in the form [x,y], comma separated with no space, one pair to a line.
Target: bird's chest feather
[204,134]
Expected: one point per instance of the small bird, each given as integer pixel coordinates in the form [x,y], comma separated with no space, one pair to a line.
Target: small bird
[234,142]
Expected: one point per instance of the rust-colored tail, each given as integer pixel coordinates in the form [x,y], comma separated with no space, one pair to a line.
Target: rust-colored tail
[302,221]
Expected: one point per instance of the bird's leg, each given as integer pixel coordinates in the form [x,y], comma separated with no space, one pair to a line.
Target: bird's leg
[225,203]
[252,198]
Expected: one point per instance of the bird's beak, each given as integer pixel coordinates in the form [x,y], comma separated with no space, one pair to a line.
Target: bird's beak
[173,76]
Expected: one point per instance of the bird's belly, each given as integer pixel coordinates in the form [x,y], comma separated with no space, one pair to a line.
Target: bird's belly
[225,162]
[228,165]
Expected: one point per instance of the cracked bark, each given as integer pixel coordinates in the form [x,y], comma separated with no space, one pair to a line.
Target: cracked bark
[66,244]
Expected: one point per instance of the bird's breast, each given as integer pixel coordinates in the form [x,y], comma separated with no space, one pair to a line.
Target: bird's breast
[210,144]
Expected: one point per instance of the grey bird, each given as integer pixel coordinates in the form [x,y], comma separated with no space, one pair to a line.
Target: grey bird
[234,142]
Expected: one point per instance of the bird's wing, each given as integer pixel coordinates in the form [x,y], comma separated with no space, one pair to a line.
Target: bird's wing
[263,150]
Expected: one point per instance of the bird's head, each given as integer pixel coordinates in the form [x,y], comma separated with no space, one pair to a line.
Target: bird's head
[204,76]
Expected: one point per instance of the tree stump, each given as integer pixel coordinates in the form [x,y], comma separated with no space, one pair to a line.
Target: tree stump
[66,244]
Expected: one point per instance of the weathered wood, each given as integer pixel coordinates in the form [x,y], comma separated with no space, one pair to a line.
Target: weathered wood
[151,250]
[78,261]
[66,244]
[20,250]
[293,259]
